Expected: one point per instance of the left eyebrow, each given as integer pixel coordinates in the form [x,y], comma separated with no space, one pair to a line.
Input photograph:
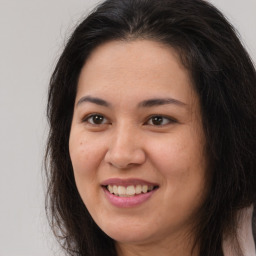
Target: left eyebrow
[160,101]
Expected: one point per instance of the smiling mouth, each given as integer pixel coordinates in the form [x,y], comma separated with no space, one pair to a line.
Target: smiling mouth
[129,191]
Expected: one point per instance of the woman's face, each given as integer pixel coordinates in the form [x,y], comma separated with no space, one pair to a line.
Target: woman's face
[136,142]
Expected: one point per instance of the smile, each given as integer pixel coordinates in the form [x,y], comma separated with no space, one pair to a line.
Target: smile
[123,193]
[130,190]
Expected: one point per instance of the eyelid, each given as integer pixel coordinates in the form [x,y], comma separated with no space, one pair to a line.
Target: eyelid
[87,117]
[167,120]
[171,120]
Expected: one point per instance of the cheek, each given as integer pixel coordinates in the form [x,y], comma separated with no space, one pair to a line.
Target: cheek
[84,160]
[176,154]
[174,164]
[78,154]
[182,170]
[181,162]
[83,154]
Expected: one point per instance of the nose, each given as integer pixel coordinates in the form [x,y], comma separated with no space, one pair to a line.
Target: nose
[125,149]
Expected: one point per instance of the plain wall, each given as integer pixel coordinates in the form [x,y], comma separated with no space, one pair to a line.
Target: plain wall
[33,33]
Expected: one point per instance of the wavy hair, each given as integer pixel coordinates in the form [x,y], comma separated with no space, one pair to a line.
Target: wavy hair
[224,79]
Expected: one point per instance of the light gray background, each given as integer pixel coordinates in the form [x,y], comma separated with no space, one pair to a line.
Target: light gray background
[33,33]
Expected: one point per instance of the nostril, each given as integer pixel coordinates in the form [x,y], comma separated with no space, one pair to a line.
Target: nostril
[125,159]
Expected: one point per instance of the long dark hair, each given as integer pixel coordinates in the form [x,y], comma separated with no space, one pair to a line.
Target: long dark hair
[225,81]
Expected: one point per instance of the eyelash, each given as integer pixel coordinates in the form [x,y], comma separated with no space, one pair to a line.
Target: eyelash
[91,116]
[165,119]
[168,120]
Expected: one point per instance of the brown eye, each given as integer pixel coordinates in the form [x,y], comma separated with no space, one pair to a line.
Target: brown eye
[159,120]
[96,119]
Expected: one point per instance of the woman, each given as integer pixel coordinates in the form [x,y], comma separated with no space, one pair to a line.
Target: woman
[152,138]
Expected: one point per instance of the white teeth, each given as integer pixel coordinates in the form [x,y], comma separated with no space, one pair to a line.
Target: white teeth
[115,190]
[145,188]
[121,190]
[129,191]
[138,189]
[110,189]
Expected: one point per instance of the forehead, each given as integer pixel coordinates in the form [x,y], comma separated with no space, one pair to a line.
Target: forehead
[119,67]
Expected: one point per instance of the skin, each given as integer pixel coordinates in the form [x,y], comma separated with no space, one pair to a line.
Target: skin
[128,144]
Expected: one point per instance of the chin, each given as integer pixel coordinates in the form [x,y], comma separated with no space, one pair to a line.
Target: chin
[128,235]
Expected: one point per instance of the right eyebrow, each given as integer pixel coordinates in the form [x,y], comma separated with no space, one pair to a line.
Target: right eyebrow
[94,100]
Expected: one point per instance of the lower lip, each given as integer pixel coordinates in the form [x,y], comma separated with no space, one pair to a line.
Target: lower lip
[125,202]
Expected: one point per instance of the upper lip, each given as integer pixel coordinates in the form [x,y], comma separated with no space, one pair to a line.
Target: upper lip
[127,182]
